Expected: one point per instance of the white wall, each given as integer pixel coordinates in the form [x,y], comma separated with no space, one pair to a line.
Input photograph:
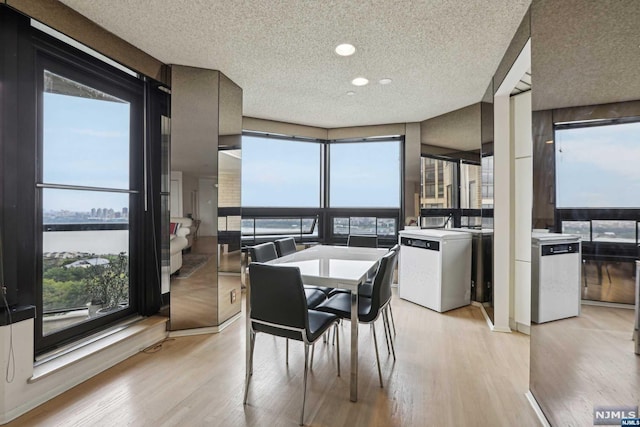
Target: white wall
[521,134]
[510,190]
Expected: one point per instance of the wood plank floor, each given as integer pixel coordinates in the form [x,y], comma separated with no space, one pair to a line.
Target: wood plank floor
[581,362]
[451,371]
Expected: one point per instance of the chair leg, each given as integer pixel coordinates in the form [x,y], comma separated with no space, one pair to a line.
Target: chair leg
[393,322]
[313,351]
[304,390]
[335,332]
[249,369]
[385,315]
[253,346]
[287,351]
[375,344]
[386,336]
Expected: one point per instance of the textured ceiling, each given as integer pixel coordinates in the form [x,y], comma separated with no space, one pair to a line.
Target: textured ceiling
[441,54]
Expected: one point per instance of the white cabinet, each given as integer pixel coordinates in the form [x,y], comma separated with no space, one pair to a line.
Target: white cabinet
[555,284]
[435,268]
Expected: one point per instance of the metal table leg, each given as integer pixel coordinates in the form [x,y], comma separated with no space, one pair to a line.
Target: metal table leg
[354,345]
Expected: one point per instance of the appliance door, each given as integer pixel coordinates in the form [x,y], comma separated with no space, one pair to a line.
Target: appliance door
[559,287]
[420,273]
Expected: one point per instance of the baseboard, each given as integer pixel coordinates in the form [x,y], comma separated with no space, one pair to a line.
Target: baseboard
[608,304]
[207,330]
[484,313]
[536,408]
[525,329]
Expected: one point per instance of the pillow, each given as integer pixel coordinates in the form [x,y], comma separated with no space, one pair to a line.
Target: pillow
[173,227]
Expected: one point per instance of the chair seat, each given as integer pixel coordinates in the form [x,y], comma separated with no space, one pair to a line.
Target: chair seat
[319,322]
[322,289]
[340,305]
[365,290]
[314,297]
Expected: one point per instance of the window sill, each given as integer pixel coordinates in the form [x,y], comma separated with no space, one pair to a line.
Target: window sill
[92,346]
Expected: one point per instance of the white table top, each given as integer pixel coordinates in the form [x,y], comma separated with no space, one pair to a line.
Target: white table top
[334,266]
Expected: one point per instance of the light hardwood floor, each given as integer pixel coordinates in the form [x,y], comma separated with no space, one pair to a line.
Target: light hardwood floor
[451,371]
[585,361]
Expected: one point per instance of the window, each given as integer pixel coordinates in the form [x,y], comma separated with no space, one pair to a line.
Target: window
[365,174]
[254,229]
[579,228]
[383,227]
[596,166]
[487,182]
[438,182]
[88,195]
[470,177]
[280,172]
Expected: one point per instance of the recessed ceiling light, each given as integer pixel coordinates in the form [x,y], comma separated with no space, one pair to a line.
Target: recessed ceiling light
[345,49]
[351,93]
[549,141]
[359,81]
[385,81]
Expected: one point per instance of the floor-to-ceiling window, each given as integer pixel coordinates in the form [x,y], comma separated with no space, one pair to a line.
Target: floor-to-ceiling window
[88,190]
[81,162]
[318,190]
[598,198]
[364,187]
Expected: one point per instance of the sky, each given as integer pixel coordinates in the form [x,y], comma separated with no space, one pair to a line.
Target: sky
[597,167]
[280,173]
[86,142]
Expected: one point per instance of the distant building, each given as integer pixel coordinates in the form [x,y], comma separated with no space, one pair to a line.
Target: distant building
[85,263]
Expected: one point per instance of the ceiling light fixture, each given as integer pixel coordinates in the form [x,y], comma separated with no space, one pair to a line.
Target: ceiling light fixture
[549,141]
[351,93]
[359,81]
[345,49]
[385,81]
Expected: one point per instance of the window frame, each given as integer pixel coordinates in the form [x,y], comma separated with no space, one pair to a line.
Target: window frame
[68,62]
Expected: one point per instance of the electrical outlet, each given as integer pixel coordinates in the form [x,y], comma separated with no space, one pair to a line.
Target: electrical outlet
[233,296]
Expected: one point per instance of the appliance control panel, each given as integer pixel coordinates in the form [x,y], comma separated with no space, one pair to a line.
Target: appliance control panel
[420,243]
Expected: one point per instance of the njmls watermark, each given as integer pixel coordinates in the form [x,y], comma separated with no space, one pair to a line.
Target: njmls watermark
[614,415]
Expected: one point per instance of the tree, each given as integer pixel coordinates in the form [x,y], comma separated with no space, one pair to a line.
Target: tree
[109,283]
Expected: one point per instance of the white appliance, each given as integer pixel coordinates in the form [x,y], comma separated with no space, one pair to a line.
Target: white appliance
[555,276]
[435,268]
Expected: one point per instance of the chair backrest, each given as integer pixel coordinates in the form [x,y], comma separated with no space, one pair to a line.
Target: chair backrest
[286,246]
[263,252]
[277,296]
[382,282]
[363,240]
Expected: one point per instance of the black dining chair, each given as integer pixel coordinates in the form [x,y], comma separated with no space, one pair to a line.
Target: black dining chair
[366,290]
[277,306]
[369,309]
[286,246]
[362,240]
[265,252]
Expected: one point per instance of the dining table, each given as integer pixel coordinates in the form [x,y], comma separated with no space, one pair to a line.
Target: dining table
[342,267]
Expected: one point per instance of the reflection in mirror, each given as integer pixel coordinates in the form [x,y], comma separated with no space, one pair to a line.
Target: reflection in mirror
[198,175]
[229,183]
[457,185]
[484,293]
[585,183]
